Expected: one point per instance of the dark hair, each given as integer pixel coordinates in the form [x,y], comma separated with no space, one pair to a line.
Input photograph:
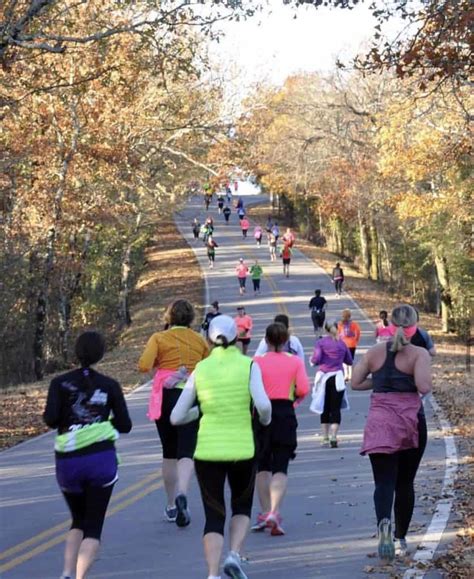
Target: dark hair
[383,315]
[276,335]
[282,319]
[338,264]
[317,293]
[179,313]
[90,349]
[223,342]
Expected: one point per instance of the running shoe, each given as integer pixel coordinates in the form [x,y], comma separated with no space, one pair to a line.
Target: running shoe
[233,566]
[325,441]
[170,514]
[386,547]
[401,547]
[261,523]
[273,522]
[182,515]
[333,442]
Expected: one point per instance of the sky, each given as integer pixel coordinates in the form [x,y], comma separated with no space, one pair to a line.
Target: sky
[273,46]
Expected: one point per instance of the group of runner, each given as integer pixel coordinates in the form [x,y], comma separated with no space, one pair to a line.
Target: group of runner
[227,417]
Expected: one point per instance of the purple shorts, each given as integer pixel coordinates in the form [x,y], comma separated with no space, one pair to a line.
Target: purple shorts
[98,469]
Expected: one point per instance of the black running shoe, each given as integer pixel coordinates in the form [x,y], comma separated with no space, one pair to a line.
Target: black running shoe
[182,518]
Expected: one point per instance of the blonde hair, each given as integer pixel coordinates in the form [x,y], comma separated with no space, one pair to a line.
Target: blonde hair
[403,316]
[331,329]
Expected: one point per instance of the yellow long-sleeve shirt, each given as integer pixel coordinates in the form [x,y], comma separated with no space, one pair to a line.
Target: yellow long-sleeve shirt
[173,348]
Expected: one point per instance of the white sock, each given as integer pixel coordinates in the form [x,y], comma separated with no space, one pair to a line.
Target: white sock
[214,577]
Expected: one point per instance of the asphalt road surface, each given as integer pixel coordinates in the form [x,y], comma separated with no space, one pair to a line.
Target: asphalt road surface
[328,512]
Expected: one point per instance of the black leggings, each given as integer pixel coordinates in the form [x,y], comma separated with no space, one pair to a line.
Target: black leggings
[332,403]
[338,285]
[394,475]
[256,285]
[318,319]
[88,510]
[211,477]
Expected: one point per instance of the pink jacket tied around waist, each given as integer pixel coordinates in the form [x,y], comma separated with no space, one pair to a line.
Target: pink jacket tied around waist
[163,379]
[392,423]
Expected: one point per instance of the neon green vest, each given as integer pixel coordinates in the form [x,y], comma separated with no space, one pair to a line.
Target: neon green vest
[222,388]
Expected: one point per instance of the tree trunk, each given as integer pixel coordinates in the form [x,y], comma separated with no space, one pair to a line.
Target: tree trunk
[374,252]
[442,273]
[123,307]
[364,246]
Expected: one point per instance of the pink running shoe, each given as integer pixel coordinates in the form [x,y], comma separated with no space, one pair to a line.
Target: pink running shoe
[261,523]
[273,522]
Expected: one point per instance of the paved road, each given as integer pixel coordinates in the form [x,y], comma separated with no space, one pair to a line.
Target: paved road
[328,513]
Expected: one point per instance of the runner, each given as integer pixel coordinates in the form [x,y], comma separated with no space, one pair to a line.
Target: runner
[242,271]
[285,380]
[258,234]
[174,353]
[289,238]
[338,279]
[227,211]
[349,332]
[382,327]
[422,338]
[286,258]
[215,311]
[395,433]
[220,204]
[240,203]
[244,225]
[228,192]
[272,246]
[276,231]
[211,250]
[207,200]
[79,405]
[196,226]
[293,346]
[207,229]
[318,305]
[329,392]
[256,273]
[241,213]
[244,325]
[224,386]
[236,186]
[269,225]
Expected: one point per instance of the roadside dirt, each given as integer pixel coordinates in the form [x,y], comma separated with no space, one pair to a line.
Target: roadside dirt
[172,272]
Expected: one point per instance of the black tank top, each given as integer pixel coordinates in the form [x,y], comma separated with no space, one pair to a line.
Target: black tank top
[418,339]
[390,379]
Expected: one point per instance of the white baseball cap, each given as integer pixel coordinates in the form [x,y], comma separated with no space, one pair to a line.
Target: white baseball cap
[222,326]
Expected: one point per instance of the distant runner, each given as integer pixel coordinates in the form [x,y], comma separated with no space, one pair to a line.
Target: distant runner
[211,250]
[349,332]
[215,311]
[276,230]
[244,325]
[383,331]
[241,213]
[244,225]
[256,273]
[242,271]
[286,258]
[272,246]
[227,211]
[258,234]
[196,227]
[220,203]
[338,279]
[289,238]
[317,305]
[292,346]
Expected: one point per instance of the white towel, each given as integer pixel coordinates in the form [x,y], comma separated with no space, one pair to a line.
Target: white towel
[319,390]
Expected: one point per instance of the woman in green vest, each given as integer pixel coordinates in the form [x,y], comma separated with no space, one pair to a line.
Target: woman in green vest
[224,385]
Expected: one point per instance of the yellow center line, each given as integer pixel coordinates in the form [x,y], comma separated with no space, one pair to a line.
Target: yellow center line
[61,527]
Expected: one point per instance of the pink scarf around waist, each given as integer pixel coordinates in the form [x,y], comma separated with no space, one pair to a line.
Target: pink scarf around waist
[163,379]
[392,423]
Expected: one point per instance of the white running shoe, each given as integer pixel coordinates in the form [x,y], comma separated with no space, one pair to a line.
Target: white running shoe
[233,566]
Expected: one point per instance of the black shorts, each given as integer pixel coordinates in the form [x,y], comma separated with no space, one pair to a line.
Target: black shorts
[276,444]
[242,281]
[353,352]
[177,441]
[245,341]
[286,260]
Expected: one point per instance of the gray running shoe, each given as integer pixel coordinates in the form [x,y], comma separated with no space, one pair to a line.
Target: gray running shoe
[401,547]
[183,517]
[386,547]
[233,566]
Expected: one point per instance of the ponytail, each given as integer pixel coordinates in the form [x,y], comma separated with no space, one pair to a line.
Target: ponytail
[332,329]
[222,341]
[399,340]
[404,318]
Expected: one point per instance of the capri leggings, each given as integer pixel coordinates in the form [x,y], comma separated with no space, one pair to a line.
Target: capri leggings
[332,403]
[276,443]
[177,441]
[211,477]
[394,476]
[88,510]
